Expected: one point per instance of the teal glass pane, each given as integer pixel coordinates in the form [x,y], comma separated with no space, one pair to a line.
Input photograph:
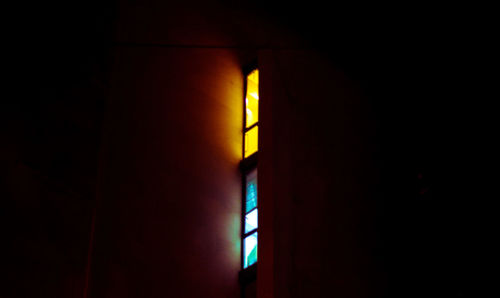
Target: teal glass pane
[251,221]
[251,191]
[250,250]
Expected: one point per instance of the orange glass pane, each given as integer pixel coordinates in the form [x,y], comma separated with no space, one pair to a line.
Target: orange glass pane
[251,141]
[252,98]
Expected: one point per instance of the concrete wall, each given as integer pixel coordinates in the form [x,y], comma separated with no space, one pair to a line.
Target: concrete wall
[50,125]
[45,229]
[169,194]
[169,188]
[317,181]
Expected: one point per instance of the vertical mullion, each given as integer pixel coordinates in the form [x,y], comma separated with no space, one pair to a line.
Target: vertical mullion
[244,178]
[243,202]
[244,113]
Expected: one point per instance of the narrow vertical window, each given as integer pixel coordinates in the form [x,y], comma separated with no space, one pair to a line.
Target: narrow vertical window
[250,223]
[251,113]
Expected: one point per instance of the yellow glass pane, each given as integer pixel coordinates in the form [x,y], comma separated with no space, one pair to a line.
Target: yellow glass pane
[251,141]
[252,98]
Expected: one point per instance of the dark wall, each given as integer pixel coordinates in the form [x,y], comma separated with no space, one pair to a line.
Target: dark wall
[46,232]
[320,154]
[56,64]
[369,173]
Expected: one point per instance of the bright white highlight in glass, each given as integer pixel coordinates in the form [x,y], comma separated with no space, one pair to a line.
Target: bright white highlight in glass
[254,95]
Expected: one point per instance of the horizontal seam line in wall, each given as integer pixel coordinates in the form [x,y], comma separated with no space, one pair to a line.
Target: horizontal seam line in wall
[194,46]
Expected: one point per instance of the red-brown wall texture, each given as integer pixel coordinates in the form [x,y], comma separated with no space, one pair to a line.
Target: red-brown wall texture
[317,180]
[169,195]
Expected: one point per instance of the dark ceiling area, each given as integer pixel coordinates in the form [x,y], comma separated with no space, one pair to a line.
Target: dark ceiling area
[405,62]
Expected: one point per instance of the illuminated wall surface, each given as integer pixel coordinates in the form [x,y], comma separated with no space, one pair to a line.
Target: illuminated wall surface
[251,220]
[252,112]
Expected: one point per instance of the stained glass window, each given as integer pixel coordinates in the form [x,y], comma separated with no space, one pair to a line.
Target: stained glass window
[250,139]
[251,113]
[251,219]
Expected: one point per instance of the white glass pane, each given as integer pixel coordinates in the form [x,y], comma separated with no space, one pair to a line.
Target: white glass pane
[251,221]
[250,250]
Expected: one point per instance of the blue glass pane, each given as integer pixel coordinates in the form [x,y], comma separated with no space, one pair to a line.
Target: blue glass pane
[251,221]
[250,250]
[251,191]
